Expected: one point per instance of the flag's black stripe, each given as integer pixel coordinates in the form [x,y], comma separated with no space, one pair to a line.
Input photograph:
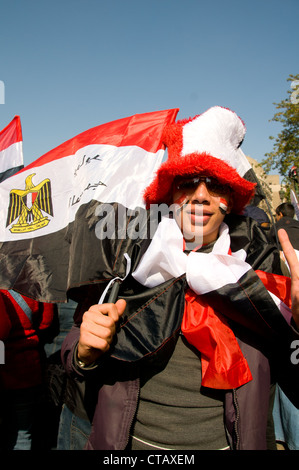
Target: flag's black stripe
[248,304]
[46,267]
[6,174]
[259,193]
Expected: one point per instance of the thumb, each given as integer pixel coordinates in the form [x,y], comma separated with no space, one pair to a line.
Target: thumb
[121,306]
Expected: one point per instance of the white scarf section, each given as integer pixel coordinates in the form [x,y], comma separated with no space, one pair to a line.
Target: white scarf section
[165,259]
[205,272]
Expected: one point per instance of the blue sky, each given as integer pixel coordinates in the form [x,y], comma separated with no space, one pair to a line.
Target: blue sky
[70,65]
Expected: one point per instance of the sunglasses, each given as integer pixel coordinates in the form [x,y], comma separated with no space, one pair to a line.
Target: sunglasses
[212,184]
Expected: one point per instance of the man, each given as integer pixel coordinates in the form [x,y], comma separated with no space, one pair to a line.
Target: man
[167,360]
[284,214]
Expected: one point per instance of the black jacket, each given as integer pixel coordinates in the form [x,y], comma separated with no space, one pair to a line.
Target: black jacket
[291,226]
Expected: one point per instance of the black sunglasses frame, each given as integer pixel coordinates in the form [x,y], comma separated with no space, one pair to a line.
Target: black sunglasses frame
[191,183]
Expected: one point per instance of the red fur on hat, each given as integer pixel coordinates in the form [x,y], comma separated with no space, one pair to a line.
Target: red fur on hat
[160,190]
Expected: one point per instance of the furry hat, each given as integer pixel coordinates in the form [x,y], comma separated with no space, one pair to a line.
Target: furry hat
[208,144]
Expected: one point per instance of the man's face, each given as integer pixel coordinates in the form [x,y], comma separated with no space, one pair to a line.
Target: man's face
[202,203]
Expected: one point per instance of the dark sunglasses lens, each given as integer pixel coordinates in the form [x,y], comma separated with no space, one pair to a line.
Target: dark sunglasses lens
[190,183]
[215,187]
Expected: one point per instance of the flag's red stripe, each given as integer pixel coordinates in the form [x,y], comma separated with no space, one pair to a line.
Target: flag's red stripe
[134,130]
[11,134]
[278,285]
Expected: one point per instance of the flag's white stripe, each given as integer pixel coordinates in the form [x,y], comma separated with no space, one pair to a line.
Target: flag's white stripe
[11,157]
[207,273]
[284,258]
[284,309]
[101,172]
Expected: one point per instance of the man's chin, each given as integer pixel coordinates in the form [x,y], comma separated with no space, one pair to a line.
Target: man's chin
[193,241]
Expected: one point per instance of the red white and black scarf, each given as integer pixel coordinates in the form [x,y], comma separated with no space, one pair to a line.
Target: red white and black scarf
[213,276]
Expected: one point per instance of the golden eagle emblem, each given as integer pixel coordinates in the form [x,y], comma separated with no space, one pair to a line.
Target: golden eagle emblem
[28,204]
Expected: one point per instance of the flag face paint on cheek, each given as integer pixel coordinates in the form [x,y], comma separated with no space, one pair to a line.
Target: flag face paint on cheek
[223,206]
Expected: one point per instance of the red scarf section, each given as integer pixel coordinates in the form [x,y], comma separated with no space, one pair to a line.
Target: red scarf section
[223,364]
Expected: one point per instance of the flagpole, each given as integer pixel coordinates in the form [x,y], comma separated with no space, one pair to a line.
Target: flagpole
[114,292]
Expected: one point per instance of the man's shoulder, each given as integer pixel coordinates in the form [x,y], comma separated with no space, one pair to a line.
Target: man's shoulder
[286,222]
[291,226]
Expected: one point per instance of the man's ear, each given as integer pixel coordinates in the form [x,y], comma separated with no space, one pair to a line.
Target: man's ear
[279,215]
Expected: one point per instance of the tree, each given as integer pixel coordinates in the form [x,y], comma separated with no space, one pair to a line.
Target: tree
[285,153]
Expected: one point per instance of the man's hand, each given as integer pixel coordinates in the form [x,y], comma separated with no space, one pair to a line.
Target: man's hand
[97,330]
[292,260]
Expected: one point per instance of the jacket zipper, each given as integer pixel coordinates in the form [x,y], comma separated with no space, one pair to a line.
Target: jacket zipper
[236,437]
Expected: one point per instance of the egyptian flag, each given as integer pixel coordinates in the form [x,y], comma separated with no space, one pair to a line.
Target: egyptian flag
[69,218]
[247,172]
[11,151]
[259,192]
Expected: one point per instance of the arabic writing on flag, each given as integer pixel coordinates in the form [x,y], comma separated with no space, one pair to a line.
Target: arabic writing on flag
[48,222]
[11,151]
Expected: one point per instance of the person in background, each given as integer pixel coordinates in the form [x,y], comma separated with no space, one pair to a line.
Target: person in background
[25,326]
[56,378]
[263,220]
[284,214]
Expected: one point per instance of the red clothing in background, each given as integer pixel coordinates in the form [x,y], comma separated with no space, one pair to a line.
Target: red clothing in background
[23,347]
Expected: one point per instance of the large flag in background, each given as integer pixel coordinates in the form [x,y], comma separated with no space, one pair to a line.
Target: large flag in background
[11,151]
[51,233]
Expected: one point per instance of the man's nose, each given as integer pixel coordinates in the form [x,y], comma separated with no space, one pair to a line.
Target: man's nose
[201,193]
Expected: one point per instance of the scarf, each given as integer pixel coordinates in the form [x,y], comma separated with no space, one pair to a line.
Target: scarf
[223,364]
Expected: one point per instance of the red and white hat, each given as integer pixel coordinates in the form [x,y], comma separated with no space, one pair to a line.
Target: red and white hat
[209,145]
